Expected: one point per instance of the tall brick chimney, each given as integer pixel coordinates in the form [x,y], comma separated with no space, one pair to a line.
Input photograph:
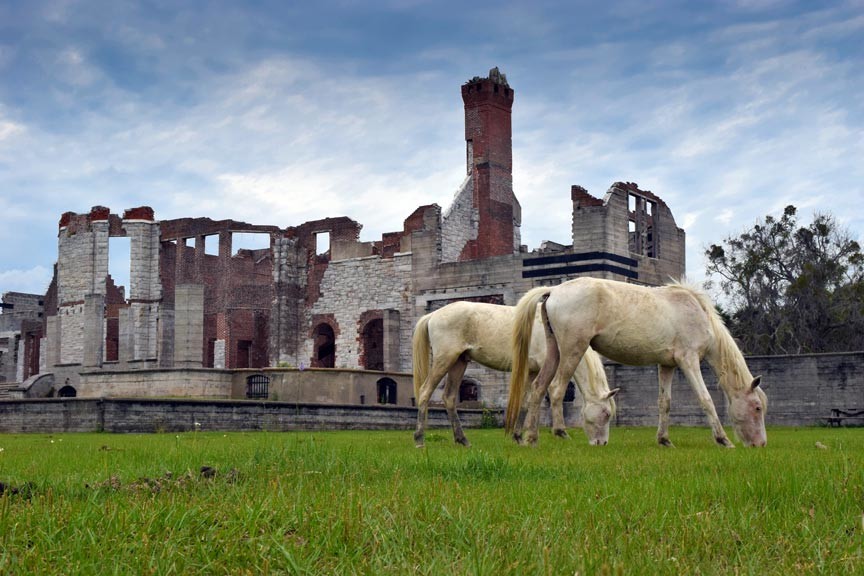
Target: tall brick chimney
[489,156]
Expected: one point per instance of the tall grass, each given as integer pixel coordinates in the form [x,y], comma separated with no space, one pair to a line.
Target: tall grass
[370,503]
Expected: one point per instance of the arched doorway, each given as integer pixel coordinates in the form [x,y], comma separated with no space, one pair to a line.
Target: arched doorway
[373,345]
[324,355]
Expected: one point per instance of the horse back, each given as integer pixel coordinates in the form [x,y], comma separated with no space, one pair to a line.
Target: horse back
[629,323]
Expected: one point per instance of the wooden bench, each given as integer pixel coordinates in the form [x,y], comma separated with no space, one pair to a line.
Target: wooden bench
[838,415]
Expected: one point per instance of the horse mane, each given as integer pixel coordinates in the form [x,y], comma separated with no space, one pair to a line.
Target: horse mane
[731,368]
[595,368]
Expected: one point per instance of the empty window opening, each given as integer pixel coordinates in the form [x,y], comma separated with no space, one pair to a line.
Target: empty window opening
[257,387]
[468,391]
[120,260]
[322,243]
[642,238]
[112,339]
[189,242]
[211,245]
[386,391]
[210,360]
[67,392]
[373,345]
[243,349]
[249,241]
[325,347]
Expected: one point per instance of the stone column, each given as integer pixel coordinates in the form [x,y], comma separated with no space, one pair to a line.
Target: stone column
[189,326]
[94,329]
[391,341]
[126,346]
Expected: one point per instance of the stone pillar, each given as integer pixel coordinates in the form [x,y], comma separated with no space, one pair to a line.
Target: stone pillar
[219,354]
[94,329]
[391,341]
[126,351]
[189,326]
[19,368]
[52,342]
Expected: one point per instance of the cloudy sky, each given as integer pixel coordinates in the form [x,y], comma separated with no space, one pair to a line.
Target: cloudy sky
[277,112]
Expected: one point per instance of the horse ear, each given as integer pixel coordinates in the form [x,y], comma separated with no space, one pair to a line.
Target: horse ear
[756,381]
[612,393]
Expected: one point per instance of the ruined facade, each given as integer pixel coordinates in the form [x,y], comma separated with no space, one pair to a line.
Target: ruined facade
[21,317]
[319,297]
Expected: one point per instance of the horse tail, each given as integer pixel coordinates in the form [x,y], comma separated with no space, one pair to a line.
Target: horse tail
[523,324]
[420,349]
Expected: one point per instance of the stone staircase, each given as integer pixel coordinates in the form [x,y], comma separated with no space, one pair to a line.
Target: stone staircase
[6,389]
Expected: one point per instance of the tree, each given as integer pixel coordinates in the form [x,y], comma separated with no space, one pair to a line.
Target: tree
[792,289]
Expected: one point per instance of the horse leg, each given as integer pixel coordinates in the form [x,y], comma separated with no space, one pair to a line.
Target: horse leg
[538,391]
[436,372]
[520,422]
[557,390]
[451,391]
[569,366]
[690,367]
[664,403]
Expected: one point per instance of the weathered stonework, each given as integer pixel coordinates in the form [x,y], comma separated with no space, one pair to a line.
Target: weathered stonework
[196,302]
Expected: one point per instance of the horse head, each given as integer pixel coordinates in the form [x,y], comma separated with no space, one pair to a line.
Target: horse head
[597,415]
[747,411]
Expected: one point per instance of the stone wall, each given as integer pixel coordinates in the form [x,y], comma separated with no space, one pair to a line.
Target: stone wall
[324,386]
[351,287]
[459,222]
[178,383]
[146,416]
[802,391]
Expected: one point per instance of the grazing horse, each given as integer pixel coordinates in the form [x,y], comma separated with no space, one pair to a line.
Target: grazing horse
[465,331]
[671,326]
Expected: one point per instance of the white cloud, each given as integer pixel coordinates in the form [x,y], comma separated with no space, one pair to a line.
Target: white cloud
[32,281]
[9,129]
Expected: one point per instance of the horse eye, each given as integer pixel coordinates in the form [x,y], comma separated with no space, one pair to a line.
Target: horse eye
[758,408]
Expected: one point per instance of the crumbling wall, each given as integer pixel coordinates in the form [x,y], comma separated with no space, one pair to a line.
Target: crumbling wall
[20,334]
[629,235]
[238,288]
[459,222]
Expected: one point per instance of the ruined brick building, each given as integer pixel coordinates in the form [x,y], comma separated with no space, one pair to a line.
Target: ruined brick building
[317,296]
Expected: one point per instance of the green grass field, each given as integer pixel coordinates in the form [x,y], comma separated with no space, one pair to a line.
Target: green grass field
[370,503]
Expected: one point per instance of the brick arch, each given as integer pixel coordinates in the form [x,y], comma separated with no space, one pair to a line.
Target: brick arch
[371,338]
[325,331]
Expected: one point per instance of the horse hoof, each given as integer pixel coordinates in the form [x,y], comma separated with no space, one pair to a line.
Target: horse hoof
[463,442]
[517,437]
[528,442]
[665,442]
[561,434]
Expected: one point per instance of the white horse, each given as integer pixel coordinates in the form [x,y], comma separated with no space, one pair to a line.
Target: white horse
[671,326]
[465,331]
